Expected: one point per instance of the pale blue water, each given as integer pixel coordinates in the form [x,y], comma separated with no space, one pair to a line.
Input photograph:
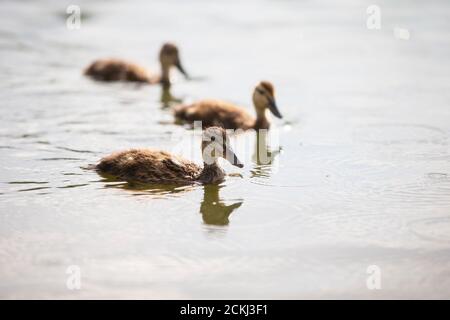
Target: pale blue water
[363,177]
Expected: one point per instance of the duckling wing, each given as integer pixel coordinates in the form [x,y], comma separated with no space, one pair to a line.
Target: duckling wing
[117,70]
[215,113]
[149,166]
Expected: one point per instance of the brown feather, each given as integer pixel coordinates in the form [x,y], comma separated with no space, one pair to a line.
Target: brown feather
[117,70]
[268,86]
[215,113]
[149,166]
[154,166]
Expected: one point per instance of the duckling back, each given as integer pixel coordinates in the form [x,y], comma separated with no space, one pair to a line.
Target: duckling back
[149,166]
[215,113]
[117,70]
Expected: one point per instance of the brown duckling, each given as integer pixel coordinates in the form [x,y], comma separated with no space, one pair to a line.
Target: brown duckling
[120,70]
[229,116]
[154,166]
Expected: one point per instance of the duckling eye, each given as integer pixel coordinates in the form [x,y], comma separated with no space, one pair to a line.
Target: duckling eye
[260,91]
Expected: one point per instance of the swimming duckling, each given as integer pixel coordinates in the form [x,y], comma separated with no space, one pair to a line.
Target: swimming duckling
[154,166]
[229,116]
[120,70]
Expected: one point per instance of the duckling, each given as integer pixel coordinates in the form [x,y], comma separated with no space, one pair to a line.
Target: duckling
[154,166]
[120,70]
[229,116]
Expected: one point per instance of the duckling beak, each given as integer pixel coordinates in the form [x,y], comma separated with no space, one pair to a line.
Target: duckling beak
[181,69]
[273,108]
[233,159]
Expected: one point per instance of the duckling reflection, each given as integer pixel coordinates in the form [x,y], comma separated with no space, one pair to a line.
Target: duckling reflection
[214,211]
[263,156]
[167,98]
[139,188]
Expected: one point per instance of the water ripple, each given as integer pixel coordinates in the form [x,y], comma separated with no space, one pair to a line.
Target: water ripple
[435,229]
[404,134]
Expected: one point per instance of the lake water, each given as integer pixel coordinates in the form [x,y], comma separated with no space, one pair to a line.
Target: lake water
[362,178]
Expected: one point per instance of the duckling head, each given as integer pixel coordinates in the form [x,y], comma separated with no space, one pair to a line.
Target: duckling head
[216,144]
[264,98]
[169,57]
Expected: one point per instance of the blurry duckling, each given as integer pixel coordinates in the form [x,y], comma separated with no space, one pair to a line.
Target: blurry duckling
[120,70]
[154,166]
[229,116]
